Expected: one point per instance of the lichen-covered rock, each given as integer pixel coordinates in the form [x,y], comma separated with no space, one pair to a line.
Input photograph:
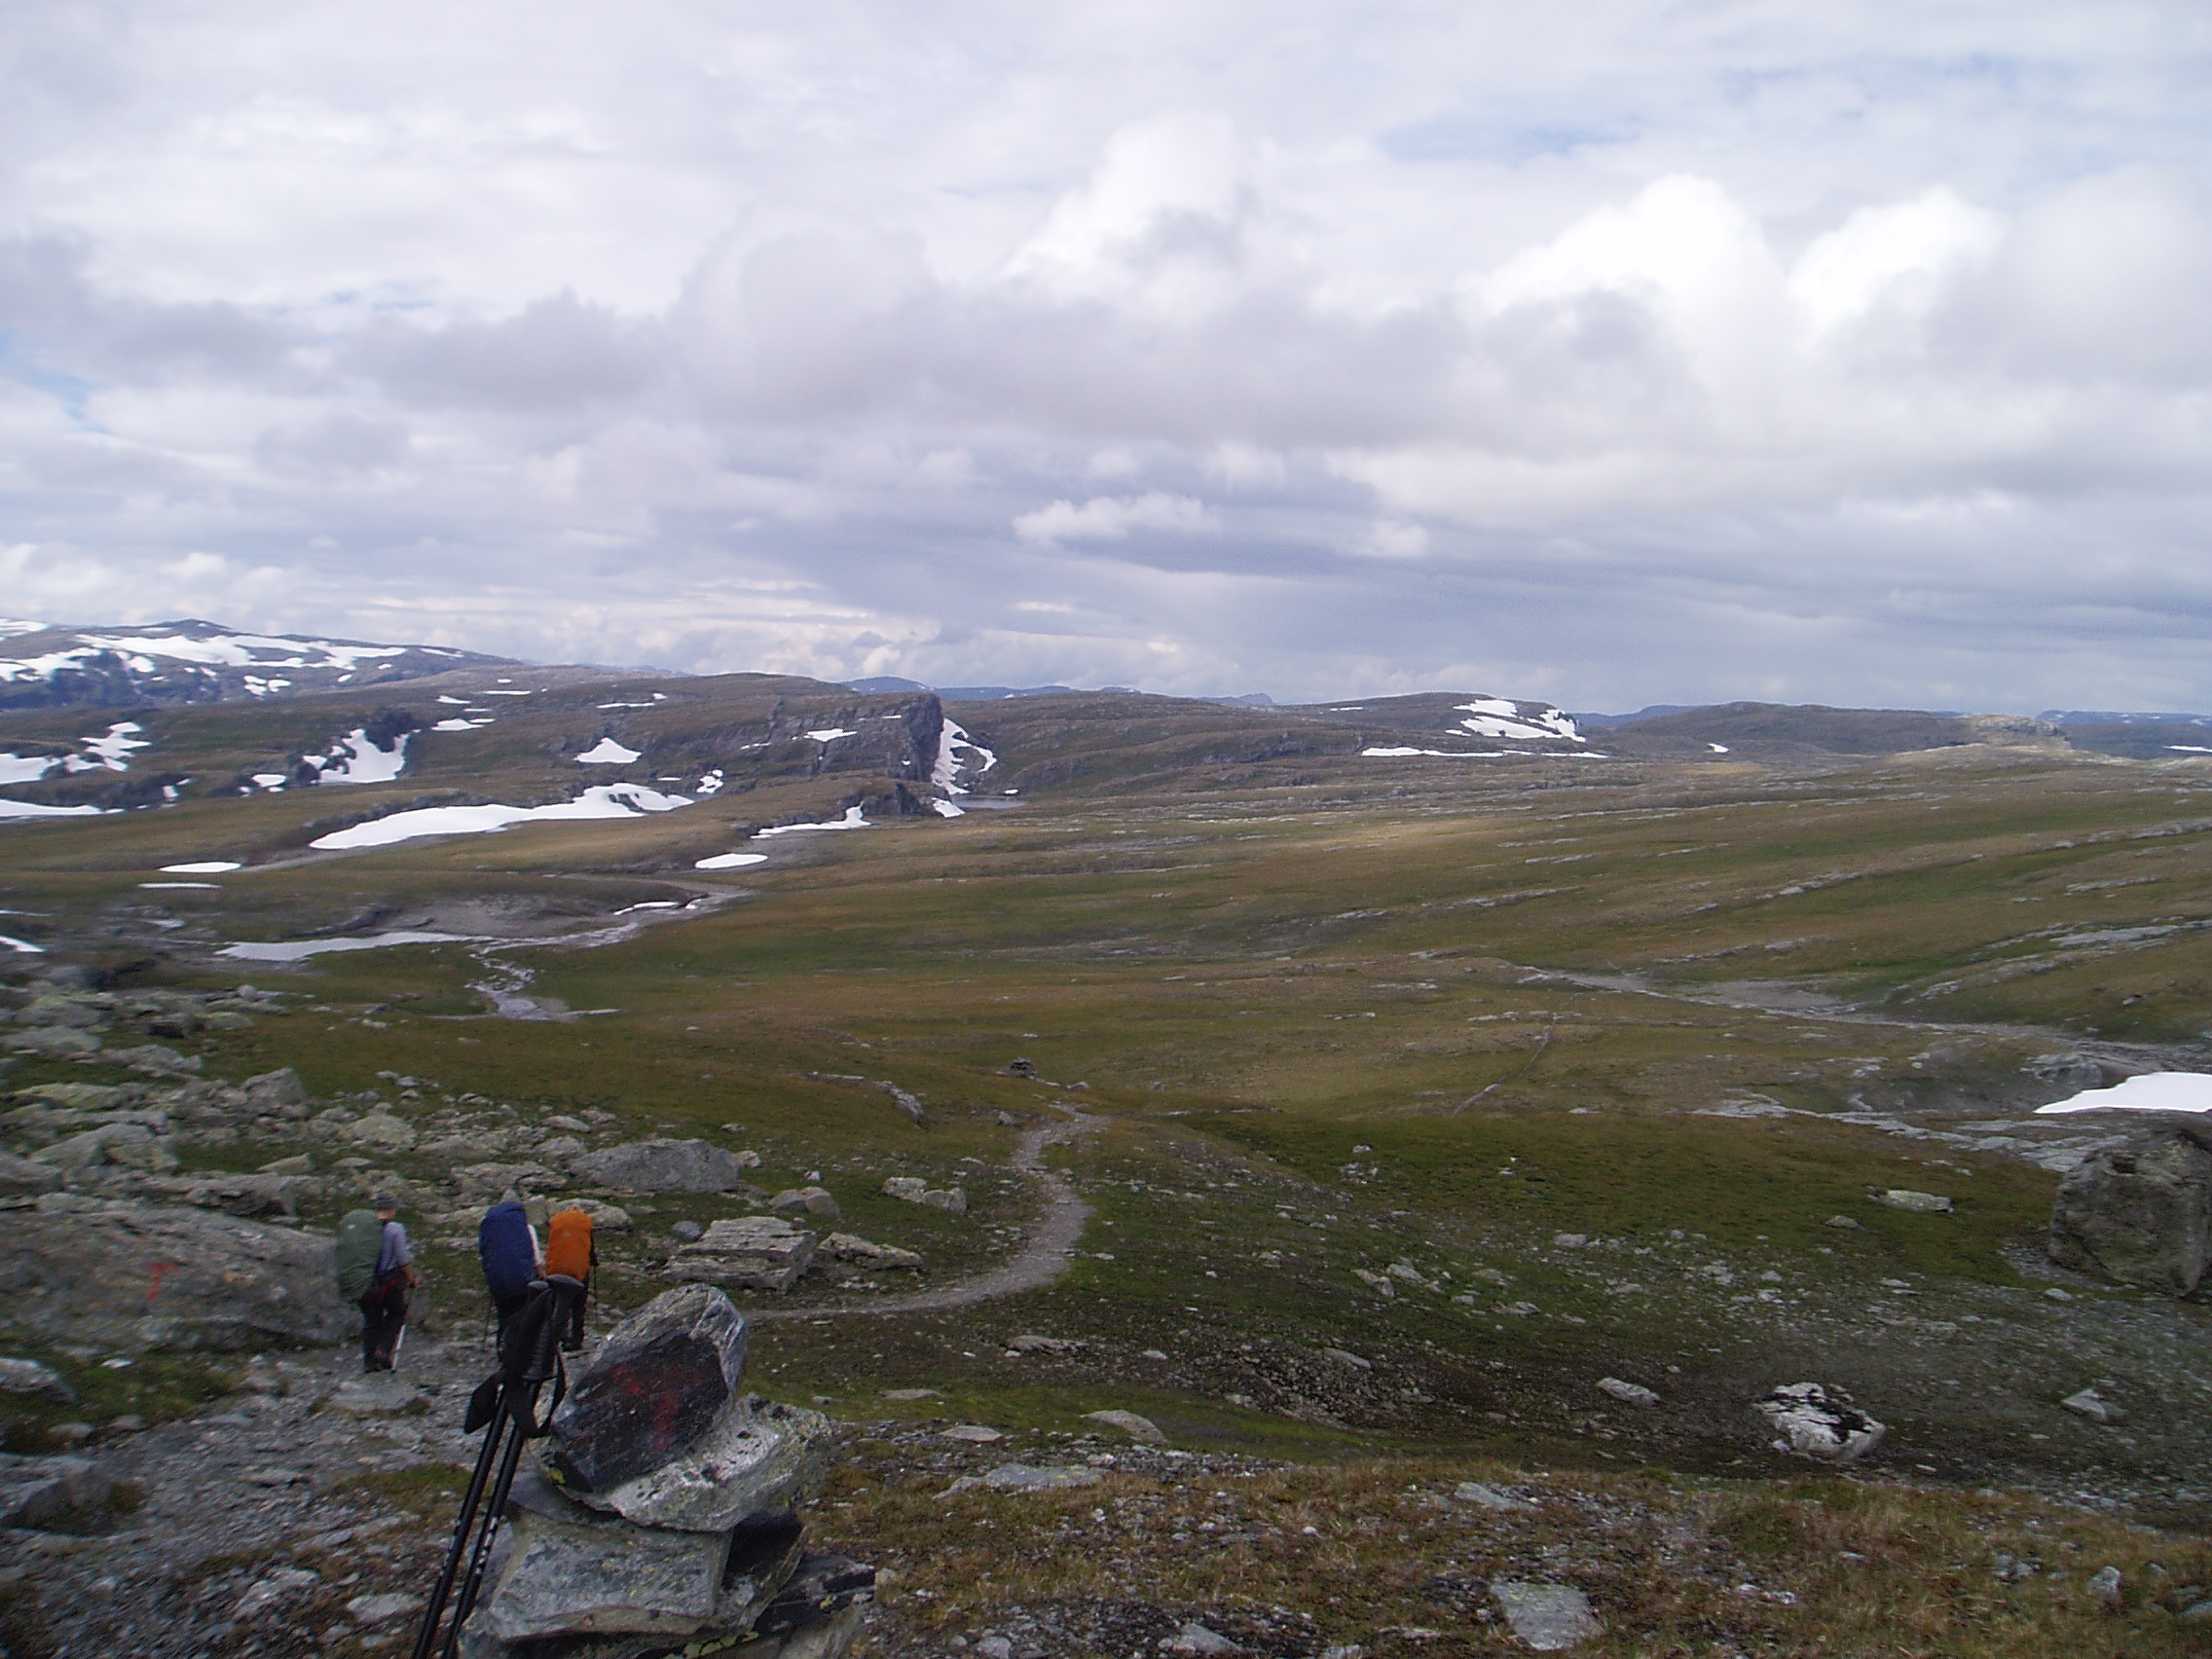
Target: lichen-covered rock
[808,1201]
[591,1578]
[20,1176]
[866,1253]
[123,1274]
[2140,1212]
[1815,1421]
[657,1385]
[913,1190]
[758,1456]
[660,1166]
[131,1146]
[277,1093]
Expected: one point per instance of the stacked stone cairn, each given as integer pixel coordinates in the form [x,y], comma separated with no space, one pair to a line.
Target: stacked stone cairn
[663,1514]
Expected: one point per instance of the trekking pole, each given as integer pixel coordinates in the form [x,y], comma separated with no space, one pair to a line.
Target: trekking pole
[534,1359]
[528,1359]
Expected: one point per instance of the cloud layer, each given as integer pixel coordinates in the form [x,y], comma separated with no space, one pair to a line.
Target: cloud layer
[1744,349]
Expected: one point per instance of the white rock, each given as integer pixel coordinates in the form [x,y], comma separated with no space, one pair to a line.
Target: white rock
[1129,1423]
[1549,1617]
[2088,1403]
[1195,1637]
[1815,1423]
[1628,1393]
[1922,1203]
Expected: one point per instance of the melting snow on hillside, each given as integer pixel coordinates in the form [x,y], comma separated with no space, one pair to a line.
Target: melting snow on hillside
[111,751]
[945,772]
[831,734]
[355,759]
[26,769]
[710,784]
[732,861]
[851,821]
[2152,1092]
[1394,752]
[606,752]
[230,650]
[1501,717]
[34,809]
[606,800]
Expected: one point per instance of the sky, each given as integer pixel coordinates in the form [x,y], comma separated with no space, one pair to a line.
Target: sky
[1612,354]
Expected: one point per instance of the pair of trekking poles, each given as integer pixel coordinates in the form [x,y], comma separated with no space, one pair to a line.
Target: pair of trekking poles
[505,1406]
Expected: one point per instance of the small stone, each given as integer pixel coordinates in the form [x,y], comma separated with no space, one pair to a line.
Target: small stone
[1549,1617]
[866,1253]
[1139,1428]
[375,1395]
[1848,1223]
[811,1201]
[29,1377]
[1920,1203]
[688,1231]
[2055,1294]
[978,1433]
[995,1648]
[2088,1403]
[910,1394]
[266,1593]
[2105,1585]
[1522,1309]
[1195,1637]
[1031,1342]
[1628,1393]
[1570,1241]
[1153,1353]
[382,1609]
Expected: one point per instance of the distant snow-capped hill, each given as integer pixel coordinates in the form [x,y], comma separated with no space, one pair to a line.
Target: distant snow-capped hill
[192,661]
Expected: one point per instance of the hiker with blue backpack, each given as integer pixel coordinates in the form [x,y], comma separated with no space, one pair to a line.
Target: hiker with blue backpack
[513,1264]
[375,1273]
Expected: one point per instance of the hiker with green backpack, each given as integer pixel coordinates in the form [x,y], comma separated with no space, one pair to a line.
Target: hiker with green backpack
[376,1270]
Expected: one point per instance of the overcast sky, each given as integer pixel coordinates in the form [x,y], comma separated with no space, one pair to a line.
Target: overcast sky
[1611,352]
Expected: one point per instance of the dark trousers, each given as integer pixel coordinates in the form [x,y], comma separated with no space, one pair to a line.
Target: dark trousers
[383,1316]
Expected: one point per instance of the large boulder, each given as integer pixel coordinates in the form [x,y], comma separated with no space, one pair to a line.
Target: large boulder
[654,1388]
[20,1176]
[569,1578]
[120,1274]
[2140,1212]
[660,1166]
[36,1492]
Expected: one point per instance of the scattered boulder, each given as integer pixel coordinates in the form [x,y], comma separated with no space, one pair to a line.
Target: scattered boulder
[1920,1203]
[1196,1637]
[758,1456]
[1029,1341]
[753,1252]
[28,1377]
[21,1176]
[1628,1393]
[605,1217]
[1849,1224]
[809,1201]
[123,1275]
[53,1041]
[913,1190]
[130,1146]
[260,1195]
[866,1253]
[2140,1212]
[1487,1496]
[1816,1422]
[1139,1428]
[36,1492]
[1025,1477]
[1549,1617]
[50,1011]
[688,1231]
[661,1165]
[277,1093]
[564,1579]
[655,1385]
[379,1130]
[2090,1404]
[375,1610]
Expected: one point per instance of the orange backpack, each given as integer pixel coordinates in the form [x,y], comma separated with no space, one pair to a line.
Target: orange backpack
[568,1245]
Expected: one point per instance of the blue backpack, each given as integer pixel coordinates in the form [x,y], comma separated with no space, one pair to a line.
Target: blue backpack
[502,1242]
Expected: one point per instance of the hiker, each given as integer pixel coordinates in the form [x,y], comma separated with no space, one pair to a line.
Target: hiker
[376,1271]
[507,1246]
[569,1251]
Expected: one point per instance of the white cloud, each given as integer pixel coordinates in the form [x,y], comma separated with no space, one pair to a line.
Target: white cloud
[1110,518]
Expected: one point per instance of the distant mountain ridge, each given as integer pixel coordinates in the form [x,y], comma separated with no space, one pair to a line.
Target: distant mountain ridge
[192,660]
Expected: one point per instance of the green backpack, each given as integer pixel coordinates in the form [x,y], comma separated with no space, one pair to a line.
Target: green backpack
[360,1240]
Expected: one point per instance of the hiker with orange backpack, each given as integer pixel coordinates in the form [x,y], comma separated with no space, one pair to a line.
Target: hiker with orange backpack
[568,1251]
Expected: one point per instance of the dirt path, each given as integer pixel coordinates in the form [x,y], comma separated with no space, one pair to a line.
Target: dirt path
[1039,1263]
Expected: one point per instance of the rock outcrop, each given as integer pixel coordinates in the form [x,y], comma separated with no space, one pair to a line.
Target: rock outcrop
[123,1275]
[661,1165]
[752,1252]
[2140,1212]
[664,1511]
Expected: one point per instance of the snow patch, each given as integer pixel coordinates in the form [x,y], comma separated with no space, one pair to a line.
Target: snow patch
[606,752]
[710,784]
[34,809]
[113,750]
[946,769]
[606,800]
[831,734]
[1394,752]
[355,759]
[460,725]
[26,769]
[2152,1092]
[851,821]
[22,945]
[946,809]
[1501,717]
[732,861]
[209,867]
[292,950]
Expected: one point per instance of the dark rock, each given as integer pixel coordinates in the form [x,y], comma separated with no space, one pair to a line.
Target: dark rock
[657,1385]
[36,1492]
[688,1231]
[122,1274]
[661,1165]
[2140,1212]
[822,1585]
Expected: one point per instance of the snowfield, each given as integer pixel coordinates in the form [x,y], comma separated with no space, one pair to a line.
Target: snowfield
[605,800]
[1499,717]
[2152,1092]
[606,752]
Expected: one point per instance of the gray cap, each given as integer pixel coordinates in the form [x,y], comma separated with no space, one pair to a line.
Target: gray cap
[384,1202]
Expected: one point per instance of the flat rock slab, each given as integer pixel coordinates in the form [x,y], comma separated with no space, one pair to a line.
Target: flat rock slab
[1025,1477]
[661,1165]
[758,1455]
[979,1433]
[658,1383]
[119,1275]
[1487,1496]
[1549,1617]
[375,1395]
[569,1580]
[753,1252]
